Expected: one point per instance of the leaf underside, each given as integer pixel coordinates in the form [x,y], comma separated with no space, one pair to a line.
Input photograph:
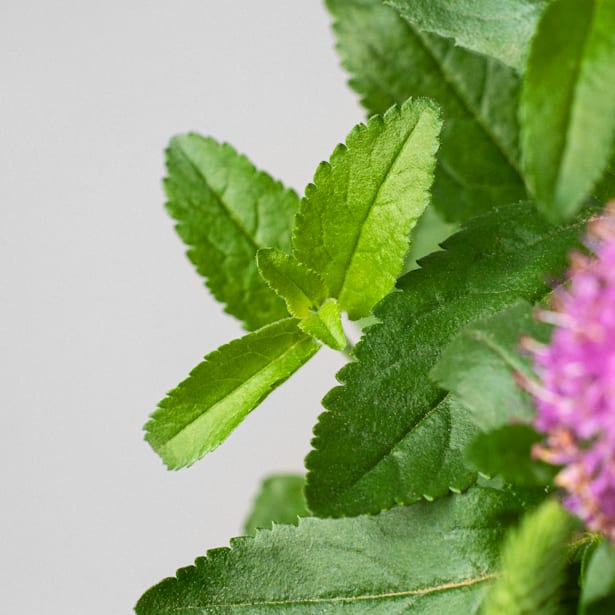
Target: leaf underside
[203,410]
[353,224]
[435,559]
[225,211]
[390,434]
[390,60]
[567,107]
[502,29]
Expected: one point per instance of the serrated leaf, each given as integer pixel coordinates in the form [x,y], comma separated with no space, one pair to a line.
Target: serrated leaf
[226,210]
[353,224]
[430,231]
[567,107]
[435,559]
[280,500]
[502,29]
[533,565]
[481,364]
[598,592]
[203,410]
[390,434]
[391,60]
[325,325]
[507,452]
[302,289]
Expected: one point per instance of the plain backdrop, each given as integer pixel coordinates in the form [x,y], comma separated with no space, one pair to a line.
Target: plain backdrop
[101,313]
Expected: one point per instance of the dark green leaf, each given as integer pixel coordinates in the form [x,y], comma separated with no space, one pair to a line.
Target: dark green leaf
[390,433]
[391,60]
[567,108]
[226,210]
[501,29]
[280,500]
[203,410]
[435,559]
[598,593]
[353,224]
[507,452]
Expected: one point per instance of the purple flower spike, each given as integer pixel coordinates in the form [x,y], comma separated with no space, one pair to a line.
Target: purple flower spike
[576,397]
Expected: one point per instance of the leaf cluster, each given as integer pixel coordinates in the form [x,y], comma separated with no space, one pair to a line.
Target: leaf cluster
[439,225]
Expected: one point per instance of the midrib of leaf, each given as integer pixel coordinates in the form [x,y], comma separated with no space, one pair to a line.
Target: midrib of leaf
[570,99]
[219,198]
[228,399]
[479,336]
[464,102]
[368,212]
[349,599]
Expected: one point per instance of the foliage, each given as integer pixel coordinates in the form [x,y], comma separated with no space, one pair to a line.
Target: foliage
[444,222]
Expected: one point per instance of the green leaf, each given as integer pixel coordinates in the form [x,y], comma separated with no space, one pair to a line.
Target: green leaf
[280,500]
[203,410]
[435,559]
[481,365]
[533,565]
[302,289]
[391,60]
[226,210]
[507,452]
[567,108]
[390,434]
[430,231]
[598,593]
[353,225]
[502,29]
[325,325]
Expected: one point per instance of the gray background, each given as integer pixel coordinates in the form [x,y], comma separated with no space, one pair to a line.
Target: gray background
[101,312]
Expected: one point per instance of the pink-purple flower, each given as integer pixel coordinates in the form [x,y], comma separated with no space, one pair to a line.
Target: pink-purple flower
[576,396]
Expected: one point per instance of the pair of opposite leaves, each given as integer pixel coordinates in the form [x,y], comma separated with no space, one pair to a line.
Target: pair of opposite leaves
[349,239]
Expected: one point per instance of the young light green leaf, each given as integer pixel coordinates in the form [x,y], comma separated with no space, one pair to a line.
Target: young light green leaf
[325,325]
[203,410]
[353,224]
[435,559]
[302,289]
[533,565]
[567,108]
[390,434]
[488,351]
[507,452]
[391,60]
[598,592]
[226,210]
[280,500]
[502,29]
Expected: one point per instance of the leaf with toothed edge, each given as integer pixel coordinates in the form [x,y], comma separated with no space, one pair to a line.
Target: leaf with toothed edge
[200,413]
[391,435]
[429,558]
[390,60]
[353,224]
[225,211]
[280,500]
